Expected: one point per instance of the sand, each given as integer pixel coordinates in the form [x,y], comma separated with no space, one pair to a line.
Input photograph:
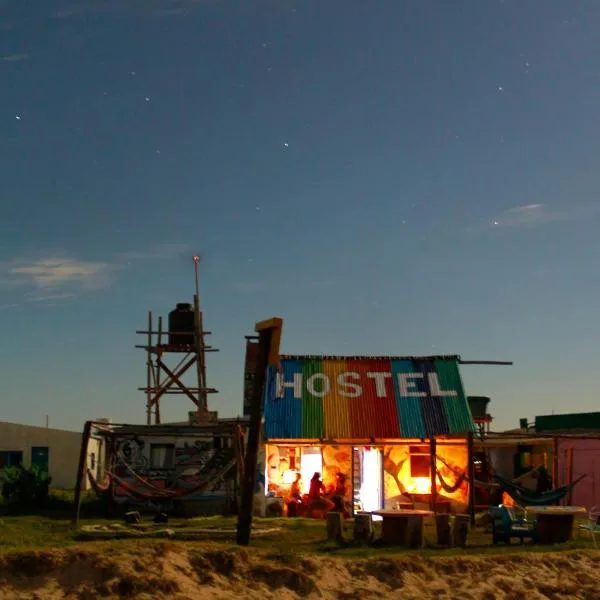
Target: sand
[178,571]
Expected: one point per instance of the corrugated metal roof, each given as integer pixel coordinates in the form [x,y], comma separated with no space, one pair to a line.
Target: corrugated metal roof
[335,397]
[580,421]
[454,357]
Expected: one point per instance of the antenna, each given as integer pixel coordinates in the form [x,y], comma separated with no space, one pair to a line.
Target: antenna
[199,335]
[196,260]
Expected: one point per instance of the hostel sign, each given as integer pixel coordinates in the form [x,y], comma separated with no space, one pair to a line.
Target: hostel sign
[363,397]
[350,384]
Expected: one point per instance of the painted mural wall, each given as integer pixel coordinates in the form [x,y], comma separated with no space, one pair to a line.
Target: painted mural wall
[586,460]
[363,398]
[172,463]
[401,482]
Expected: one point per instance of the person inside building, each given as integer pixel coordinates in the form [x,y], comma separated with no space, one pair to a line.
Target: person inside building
[295,491]
[294,497]
[317,504]
[339,495]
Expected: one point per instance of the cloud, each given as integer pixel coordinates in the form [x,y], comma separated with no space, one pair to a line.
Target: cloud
[48,297]
[7,306]
[15,57]
[533,215]
[49,273]
[57,277]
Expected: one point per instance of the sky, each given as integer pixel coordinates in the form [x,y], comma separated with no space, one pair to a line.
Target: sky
[402,177]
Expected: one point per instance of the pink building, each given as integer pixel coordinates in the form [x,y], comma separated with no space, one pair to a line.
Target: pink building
[578,456]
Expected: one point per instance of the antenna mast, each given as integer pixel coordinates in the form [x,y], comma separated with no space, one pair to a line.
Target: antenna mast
[200,346]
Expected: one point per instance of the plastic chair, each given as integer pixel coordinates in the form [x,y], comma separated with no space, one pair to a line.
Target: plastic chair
[592,527]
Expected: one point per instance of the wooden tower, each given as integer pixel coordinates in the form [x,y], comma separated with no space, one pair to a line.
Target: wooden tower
[162,379]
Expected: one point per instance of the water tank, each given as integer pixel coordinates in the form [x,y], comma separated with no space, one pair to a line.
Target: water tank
[478,406]
[181,325]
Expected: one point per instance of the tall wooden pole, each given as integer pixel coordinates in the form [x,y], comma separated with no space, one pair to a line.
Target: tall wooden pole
[471,467]
[158,370]
[433,472]
[554,462]
[81,470]
[199,339]
[149,372]
[269,336]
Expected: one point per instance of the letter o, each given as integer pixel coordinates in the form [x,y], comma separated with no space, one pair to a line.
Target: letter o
[310,385]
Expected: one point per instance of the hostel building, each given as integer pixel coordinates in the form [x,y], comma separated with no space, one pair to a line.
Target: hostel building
[397,427]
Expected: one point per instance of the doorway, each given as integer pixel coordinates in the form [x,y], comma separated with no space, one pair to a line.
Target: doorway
[368,479]
[40,458]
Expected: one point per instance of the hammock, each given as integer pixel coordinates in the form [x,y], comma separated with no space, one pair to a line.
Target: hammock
[450,489]
[171,494]
[98,487]
[525,497]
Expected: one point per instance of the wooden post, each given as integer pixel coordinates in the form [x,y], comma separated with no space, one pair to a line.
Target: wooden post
[81,470]
[471,467]
[554,462]
[570,476]
[157,374]
[268,354]
[433,473]
[335,527]
[149,373]
[200,364]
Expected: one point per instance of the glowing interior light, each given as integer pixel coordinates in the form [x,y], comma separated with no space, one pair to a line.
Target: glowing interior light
[288,477]
[310,463]
[420,485]
[370,489]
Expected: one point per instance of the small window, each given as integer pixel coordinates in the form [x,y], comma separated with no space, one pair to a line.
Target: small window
[162,456]
[420,461]
[11,459]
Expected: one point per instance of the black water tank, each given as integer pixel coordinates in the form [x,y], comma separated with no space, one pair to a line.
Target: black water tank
[478,406]
[181,325]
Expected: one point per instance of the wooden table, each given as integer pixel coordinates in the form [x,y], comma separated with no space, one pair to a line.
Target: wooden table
[403,527]
[554,524]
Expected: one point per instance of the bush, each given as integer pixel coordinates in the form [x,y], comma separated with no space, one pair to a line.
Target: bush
[25,489]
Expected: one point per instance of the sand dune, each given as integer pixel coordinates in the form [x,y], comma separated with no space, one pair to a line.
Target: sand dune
[202,571]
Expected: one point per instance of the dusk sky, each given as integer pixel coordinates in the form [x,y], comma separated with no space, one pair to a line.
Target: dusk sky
[390,177]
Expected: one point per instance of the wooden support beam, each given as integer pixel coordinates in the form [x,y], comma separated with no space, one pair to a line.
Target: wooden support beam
[148,372]
[174,378]
[554,462]
[506,363]
[268,354]
[81,470]
[171,379]
[433,472]
[471,467]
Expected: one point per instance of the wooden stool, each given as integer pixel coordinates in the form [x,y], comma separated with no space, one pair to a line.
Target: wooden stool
[363,528]
[335,527]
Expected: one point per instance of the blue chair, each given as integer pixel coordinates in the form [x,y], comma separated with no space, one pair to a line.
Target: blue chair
[506,524]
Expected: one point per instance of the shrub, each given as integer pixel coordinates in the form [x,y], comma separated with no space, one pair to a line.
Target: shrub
[23,489]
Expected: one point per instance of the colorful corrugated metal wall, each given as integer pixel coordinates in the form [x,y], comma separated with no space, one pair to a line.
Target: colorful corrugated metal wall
[324,410]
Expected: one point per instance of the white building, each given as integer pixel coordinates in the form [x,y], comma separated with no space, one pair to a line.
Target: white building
[56,450]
